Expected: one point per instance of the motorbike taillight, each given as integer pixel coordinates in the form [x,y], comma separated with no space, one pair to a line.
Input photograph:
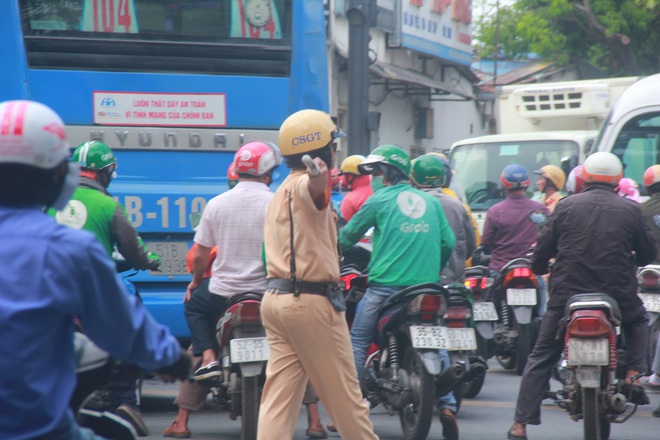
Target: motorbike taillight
[456,317]
[649,280]
[428,306]
[248,314]
[479,286]
[519,273]
[588,324]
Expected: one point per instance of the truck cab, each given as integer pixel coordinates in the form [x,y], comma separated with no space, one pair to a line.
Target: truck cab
[539,124]
[632,129]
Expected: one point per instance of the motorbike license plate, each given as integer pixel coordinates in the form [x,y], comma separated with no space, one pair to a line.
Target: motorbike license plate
[588,351]
[173,255]
[435,337]
[484,311]
[651,302]
[249,350]
[521,297]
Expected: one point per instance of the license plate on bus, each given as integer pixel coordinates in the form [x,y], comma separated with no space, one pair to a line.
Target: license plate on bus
[436,337]
[588,351]
[173,256]
[521,297]
[651,302]
[249,350]
[484,311]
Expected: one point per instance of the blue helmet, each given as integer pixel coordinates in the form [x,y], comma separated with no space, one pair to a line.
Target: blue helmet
[514,176]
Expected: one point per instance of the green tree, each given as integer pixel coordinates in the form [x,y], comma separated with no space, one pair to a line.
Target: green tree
[621,37]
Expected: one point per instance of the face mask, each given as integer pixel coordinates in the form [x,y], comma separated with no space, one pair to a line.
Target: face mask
[377,183]
[68,187]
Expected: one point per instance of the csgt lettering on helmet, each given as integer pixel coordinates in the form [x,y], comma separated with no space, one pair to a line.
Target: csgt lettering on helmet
[414,228]
[309,137]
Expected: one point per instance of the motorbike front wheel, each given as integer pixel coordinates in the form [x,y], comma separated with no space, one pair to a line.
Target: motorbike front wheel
[417,415]
[249,408]
[595,426]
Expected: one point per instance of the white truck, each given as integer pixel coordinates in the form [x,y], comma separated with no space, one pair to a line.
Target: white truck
[632,129]
[539,124]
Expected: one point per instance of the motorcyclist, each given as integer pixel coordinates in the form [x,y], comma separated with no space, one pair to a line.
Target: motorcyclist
[551,183]
[232,220]
[508,232]
[428,173]
[651,210]
[51,273]
[598,240]
[358,185]
[92,208]
[412,243]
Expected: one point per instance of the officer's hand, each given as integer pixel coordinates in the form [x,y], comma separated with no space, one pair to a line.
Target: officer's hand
[179,370]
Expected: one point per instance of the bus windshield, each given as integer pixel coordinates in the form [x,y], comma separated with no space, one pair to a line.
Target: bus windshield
[638,146]
[214,36]
[478,167]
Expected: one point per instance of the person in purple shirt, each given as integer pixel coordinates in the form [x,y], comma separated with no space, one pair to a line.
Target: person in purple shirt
[508,232]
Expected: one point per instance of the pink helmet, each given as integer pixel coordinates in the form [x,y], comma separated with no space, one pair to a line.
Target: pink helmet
[255,159]
[628,188]
[652,175]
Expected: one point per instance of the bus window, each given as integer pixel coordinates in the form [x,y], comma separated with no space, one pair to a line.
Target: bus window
[637,145]
[210,36]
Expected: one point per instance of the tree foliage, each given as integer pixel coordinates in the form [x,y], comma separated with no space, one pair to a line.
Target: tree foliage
[621,37]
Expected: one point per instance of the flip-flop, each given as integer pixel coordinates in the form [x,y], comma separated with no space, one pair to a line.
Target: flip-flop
[171,433]
[320,434]
[511,436]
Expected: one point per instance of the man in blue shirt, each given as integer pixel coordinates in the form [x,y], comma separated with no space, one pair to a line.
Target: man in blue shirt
[51,273]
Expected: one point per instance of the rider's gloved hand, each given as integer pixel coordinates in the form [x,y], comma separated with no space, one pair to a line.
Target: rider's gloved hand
[178,370]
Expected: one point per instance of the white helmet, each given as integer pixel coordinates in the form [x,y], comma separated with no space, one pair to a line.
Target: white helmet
[32,134]
[602,167]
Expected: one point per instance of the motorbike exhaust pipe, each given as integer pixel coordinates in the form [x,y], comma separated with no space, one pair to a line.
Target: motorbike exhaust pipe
[451,377]
[618,403]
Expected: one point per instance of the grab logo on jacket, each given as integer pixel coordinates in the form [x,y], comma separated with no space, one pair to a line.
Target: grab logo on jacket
[74,215]
[411,204]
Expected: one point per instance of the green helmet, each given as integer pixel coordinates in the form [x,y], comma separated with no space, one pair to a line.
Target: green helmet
[428,171]
[389,155]
[94,155]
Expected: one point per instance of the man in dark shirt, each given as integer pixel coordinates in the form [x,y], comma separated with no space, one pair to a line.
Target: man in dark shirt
[598,240]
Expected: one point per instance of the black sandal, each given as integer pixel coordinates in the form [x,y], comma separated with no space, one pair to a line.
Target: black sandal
[511,436]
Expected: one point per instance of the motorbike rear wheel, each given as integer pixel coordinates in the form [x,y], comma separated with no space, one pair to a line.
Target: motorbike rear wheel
[472,388]
[249,407]
[417,415]
[591,414]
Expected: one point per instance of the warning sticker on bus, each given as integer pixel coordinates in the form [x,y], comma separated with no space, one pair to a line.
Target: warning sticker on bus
[160,109]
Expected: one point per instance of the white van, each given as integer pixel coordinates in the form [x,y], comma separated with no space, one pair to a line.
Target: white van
[632,129]
[478,162]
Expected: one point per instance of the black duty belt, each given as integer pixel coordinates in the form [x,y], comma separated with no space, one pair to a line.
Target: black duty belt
[286,286]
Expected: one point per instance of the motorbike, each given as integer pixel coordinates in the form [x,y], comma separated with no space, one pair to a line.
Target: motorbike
[464,350]
[243,354]
[403,370]
[516,295]
[96,371]
[648,278]
[588,366]
[479,281]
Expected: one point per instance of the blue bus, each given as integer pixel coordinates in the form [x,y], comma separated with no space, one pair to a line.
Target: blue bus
[174,87]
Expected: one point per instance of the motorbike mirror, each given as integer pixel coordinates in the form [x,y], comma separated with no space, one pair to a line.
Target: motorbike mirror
[537,217]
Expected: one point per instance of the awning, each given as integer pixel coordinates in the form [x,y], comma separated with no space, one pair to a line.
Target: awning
[391,72]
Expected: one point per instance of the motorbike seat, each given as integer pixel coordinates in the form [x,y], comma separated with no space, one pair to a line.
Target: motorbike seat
[595,300]
[411,292]
[515,263]
[477,271]
[244,296]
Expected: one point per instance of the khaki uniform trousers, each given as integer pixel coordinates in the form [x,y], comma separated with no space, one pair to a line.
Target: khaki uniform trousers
[308,338]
